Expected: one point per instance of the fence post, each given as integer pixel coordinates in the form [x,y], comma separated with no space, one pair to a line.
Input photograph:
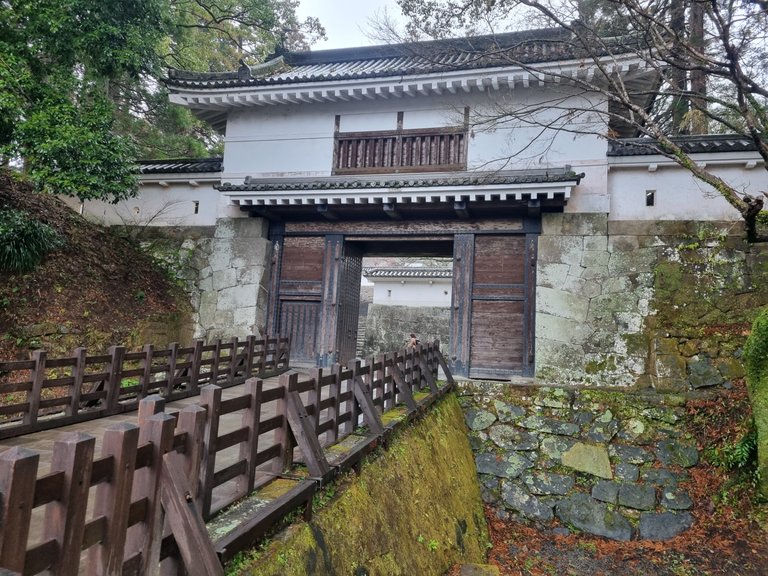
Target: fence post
[33,396]
[150,406]
[146,378]
[334,393]
[252,421]
[194,371]
[65,518]
[250,345]
[192,422]
[172,359]
[113,383]
[283,433]
[214,376]
[355,407]
[316,375]
[233,362]
[145,538]
[113,499]
[260,357]
[78,371]
[210,399]
[18,471]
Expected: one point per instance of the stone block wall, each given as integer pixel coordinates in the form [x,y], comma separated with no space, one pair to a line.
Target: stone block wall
[647,304]
[609,463]
[387,327]
[226,270]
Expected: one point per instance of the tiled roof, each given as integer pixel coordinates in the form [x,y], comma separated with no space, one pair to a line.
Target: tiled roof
[690,144]
[544,45]
[410,272]
[180,166]
[390,181]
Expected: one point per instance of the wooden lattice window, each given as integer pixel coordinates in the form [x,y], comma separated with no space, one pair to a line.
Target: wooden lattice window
[396,151]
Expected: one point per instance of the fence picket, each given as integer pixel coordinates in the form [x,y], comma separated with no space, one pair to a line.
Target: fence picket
[33,396]
[252,421]
[210,399]
[140,466]
[18,470]
[65,517]
[113,500]
[78,370]
[145,537]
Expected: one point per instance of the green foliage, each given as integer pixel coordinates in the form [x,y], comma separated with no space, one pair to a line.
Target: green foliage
[756,349]
[740,456]
[756,364]
[81,94]
[24,242]
[71,149]
[61,65]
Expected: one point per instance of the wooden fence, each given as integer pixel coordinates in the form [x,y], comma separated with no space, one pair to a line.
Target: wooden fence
[155,484]
[62,391]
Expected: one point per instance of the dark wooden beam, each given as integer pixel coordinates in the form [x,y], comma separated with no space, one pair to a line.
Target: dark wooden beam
[460,206]
[325,211]
[391,211]
[534,208]
[262,212]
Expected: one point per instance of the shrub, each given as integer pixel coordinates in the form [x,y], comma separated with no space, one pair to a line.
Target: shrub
[24,242]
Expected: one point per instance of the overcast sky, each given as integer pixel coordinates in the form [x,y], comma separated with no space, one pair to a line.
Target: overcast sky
[346,21]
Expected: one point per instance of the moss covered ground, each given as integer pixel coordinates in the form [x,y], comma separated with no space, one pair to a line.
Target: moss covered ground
[414,509]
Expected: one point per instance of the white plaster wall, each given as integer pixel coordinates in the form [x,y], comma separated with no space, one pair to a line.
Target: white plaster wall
[155,205]
[415,292]
[678,195]
[297,140]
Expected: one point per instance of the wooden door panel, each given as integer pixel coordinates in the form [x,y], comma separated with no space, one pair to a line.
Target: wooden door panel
[303,259]
[300,293]
[499,260]
[299,320]
[499,329]
[497,335]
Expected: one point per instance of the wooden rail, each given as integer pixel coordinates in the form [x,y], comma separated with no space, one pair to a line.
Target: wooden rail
[153,484]
[401,151]
[61,391]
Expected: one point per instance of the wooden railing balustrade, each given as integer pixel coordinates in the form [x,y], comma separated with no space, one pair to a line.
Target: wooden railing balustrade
[401,151]
[84,387]
[154,485]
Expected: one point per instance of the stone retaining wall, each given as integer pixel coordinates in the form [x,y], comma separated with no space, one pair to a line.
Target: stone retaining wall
[606,463]
[387,327]
[226,270]
[662,304]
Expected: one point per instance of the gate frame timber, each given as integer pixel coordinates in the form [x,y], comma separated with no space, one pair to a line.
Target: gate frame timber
[462,233]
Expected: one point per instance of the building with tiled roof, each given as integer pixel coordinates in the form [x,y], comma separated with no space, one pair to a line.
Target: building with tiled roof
[555,232]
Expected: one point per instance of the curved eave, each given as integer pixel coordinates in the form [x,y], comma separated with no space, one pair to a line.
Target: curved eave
[193,179]
[403,195]
[212,104]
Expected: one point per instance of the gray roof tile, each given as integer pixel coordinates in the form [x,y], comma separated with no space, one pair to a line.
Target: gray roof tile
[690,144]
[409,272]
[544,45]
[390,181]
[180,166]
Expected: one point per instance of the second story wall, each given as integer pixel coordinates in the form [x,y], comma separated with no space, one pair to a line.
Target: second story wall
[298,140]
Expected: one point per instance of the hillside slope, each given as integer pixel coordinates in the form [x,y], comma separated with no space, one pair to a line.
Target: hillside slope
[97,290]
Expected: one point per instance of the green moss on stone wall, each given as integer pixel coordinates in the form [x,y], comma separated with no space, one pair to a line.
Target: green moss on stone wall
[756,356]
[707,291]
[416,509]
